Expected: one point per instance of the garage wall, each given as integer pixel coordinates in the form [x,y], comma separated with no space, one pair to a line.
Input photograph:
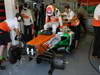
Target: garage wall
[2,11]
[62,3]
[10,8]
[59,3]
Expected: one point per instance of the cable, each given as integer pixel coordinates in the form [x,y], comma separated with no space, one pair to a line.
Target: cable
[89,57]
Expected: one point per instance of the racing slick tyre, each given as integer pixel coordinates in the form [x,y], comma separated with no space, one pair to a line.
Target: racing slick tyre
[59,62]
[38,60]
[14,54]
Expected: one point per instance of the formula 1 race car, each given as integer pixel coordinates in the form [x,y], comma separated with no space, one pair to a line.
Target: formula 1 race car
[47,47]
[47,42]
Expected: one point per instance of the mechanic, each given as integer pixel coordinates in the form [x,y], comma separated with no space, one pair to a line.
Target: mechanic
[5,40]
[53,18]
[71,19]
[83,17]
[96,26]
[26,13]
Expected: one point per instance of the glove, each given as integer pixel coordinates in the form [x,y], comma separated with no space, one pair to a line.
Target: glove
[17,37]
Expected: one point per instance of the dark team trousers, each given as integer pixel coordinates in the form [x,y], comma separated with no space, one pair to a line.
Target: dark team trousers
[96,47]
[4,37]
[76,30]
[83,23]
[28,32]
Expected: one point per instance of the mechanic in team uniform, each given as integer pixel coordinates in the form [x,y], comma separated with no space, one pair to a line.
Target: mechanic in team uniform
[53,18]
[5,40]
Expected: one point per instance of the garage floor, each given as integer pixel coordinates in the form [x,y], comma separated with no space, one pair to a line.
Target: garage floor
[78,63]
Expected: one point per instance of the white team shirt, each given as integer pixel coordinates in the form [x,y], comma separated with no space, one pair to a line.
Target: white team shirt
[97,12]
[27,21]
[12,23]
[68,15]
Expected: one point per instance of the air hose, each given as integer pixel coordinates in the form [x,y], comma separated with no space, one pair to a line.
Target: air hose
[89,57]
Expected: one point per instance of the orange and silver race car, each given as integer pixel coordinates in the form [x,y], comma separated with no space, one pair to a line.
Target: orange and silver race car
[46,47]
[46,44]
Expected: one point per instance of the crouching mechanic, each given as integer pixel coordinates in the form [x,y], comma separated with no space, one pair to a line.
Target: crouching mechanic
[5,40]
[53,18]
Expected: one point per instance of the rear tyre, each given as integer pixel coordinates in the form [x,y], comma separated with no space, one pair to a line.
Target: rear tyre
[38,61]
